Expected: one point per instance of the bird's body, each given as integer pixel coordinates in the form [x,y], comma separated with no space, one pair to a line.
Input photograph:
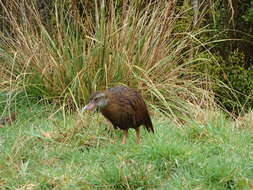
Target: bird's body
[124,107]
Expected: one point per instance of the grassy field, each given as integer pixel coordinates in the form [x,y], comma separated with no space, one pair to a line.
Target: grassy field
[42,150]
[148,45]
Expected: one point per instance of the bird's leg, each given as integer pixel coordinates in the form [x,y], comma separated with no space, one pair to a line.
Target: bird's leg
[124,137]
[138,138]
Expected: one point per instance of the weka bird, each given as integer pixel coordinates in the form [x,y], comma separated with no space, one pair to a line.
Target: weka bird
[124,108]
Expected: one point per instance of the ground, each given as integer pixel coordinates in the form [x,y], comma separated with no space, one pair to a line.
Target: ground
[42,150]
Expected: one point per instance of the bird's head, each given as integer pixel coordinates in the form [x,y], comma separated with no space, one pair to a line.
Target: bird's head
[97,100]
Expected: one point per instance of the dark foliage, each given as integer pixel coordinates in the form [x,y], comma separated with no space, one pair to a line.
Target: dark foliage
[235,23]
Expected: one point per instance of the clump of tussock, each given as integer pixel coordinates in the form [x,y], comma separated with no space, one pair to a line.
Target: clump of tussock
[139,44]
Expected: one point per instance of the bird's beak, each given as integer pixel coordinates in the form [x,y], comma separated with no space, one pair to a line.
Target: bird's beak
[88,107]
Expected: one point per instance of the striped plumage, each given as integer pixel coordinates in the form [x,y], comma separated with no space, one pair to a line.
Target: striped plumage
[124,108]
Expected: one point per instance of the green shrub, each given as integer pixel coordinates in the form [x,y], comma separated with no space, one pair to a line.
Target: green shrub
[233,81]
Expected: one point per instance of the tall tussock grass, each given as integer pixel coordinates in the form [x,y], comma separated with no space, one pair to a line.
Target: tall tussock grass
[147,45]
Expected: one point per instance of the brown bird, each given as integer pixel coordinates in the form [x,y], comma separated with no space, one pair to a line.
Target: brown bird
[124,107]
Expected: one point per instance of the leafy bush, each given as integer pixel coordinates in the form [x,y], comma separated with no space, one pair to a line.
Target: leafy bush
[230,25]
[240,79]
[234,81]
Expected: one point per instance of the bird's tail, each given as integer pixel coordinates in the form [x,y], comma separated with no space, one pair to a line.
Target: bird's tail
[149,125]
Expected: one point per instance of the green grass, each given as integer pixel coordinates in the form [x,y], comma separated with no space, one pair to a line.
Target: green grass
[150,46]
[45,151]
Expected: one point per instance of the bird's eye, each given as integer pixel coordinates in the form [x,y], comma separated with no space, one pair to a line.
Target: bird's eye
[95,99]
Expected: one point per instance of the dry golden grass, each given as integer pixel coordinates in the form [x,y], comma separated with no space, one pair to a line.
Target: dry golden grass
[245,121]
[147,45]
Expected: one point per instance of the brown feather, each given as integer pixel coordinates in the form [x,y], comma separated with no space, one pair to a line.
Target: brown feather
[124,107]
